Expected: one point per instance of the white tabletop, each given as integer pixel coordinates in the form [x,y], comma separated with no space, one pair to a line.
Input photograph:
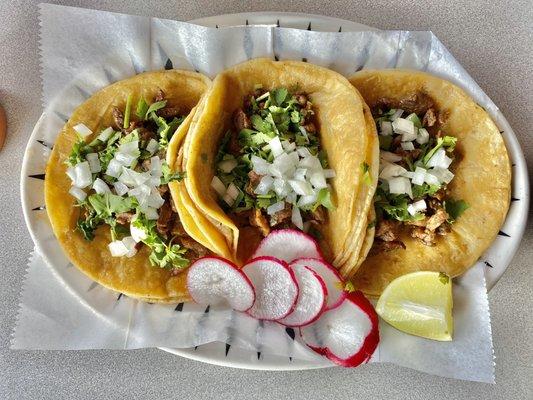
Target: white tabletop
[491,39]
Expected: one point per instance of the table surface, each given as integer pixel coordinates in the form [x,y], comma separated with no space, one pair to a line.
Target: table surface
[491,39]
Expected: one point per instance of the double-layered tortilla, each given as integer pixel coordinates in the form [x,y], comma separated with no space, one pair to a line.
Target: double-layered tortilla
[282,144]
[107,180]
[445,178]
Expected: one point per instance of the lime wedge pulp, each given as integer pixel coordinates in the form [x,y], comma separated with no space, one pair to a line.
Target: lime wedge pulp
[419,303]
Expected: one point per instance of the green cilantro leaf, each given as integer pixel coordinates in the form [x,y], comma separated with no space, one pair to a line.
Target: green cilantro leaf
[455,208]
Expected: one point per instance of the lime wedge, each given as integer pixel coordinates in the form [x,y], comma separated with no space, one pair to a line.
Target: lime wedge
[420,304]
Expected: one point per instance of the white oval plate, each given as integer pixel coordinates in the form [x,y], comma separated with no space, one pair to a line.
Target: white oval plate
[496,259]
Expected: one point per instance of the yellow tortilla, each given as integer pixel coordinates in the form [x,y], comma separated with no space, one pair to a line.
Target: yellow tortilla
[482,179]
[134,276]
[343,133]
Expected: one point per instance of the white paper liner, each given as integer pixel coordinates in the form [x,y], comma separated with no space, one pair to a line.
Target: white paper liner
[85,50]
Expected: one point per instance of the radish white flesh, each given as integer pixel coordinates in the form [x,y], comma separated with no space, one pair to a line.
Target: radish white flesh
[329,275]
[288,245]
[311,297]
[275,285]
[212,280]
[347,334]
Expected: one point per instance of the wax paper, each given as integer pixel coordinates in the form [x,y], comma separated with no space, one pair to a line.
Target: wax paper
[84,50]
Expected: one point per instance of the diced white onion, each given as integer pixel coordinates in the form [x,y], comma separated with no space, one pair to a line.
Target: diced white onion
[94,162]
[100,186]
[307,200]
[439,159]
[318,180]
[443,175]
[129,147]
[263,96]
[227,166]
[310,162]
[416,207]
[152,146]
[391,170]
[419,176]
[105,134]
[120,188]
[301,188]
[390,157]
[408,146]
[130,243]
[228,199]
[291,198]
[408,174]
[265,184]
[260,166]
[275,146]
[117,248]
[84,176]
[156,166]
[114,168]
[77,193]
[125,159]
[405,128]
[296,218]
[385,128]
[71,172]
[288,146]
[397,114]
[233,191]
[283,163]
[150,213]
[431,179]
[154,181]
[423,136]
[138,234]
[141,193]
[281,187]
[303,152]
[299,174]
[276,207]
[218,185]
[400,185]
[83,130]
[154,199]
[133,178]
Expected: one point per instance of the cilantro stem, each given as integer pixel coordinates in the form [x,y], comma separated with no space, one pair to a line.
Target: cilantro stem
[127,112]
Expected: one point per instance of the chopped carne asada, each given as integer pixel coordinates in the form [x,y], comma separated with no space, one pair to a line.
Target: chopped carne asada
[271,171]
[416,163]
[120,179]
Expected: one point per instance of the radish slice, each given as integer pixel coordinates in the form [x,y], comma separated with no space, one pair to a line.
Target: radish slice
[213,280]
[276,288]
[288,245]
[311,297]
[347,334]
[331,278]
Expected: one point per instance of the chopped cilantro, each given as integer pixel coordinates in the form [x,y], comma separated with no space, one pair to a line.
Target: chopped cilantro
[445,279]
[127,113]
[365,170]
[455,208]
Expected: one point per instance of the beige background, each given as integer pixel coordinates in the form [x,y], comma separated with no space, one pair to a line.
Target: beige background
[492,39]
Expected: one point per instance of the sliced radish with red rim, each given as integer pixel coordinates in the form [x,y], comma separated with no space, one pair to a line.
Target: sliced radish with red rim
[347,334]
[213,280]
[288,245]
[275,287]
[311,298]
[331,278]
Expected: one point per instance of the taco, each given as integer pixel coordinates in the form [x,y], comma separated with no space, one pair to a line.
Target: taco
[445,178]
[277,145]
[106,186]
